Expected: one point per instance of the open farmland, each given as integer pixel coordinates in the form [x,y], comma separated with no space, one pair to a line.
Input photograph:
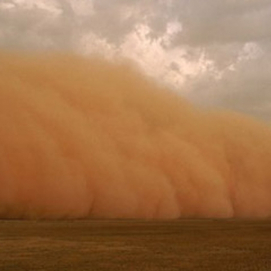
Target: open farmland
[135,245]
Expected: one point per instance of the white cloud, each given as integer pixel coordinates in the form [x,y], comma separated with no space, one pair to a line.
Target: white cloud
[245,89]
[214,52]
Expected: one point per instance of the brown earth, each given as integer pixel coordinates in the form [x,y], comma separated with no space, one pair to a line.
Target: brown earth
[135,245]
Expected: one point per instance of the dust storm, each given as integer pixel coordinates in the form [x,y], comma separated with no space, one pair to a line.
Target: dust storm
[87,138]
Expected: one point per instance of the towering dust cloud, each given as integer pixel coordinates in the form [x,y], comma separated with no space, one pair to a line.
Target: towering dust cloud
[85,138]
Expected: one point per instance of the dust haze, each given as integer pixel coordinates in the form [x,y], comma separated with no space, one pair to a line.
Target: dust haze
[88,138]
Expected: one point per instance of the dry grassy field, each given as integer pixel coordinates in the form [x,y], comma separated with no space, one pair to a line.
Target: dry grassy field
[135,245]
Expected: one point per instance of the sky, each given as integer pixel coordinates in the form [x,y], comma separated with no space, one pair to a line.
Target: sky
[215,53]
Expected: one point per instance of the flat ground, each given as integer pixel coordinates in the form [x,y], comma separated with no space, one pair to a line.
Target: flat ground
[135,245]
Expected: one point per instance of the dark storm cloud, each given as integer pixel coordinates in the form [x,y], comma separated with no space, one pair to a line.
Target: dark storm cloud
[207,22]
[33,28]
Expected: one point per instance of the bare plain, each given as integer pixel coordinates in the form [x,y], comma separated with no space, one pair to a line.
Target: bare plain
[186,244]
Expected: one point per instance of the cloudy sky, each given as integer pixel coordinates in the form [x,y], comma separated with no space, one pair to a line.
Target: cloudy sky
[215,52]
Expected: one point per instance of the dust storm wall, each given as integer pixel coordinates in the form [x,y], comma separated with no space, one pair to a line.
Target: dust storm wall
[86,138]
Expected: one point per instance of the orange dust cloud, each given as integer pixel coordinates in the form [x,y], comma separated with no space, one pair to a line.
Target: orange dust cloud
[87,138]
